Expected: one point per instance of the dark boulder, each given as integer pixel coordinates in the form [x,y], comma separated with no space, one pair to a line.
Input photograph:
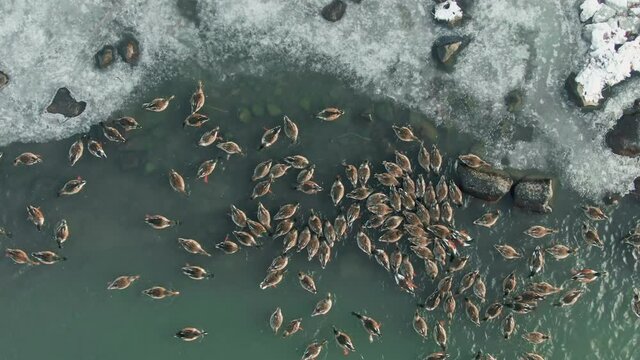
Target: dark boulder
[534,195]
[575,92]
[4,79]
[63,103]
[624,137]
[334,11]
[129,49]
[446,48]
[514,100]
[105,56]
[485,184]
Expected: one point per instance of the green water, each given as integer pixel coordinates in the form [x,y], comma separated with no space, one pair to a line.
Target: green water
[64,311]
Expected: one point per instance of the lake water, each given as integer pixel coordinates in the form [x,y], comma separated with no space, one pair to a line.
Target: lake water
[65,311]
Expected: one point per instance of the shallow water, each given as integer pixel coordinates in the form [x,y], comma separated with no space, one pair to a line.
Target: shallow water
[64,310]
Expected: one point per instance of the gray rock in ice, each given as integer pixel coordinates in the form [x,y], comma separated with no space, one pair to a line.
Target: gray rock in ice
[63,103]
[624,138]
[105,57]
[485,184]
[334,11]
[534,194]
[4,79]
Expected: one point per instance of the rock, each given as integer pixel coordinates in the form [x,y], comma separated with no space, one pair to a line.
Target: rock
[63,103]
[129,49]
[485,184]
[4,79]
[534,195]
[105,56]
[446,48]
[624,137]
[334,11]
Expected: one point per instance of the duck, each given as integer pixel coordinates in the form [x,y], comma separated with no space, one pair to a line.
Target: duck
[293,327]
[323,306]
[509,283]
[404,133]
[307,282]
[420,325]
[192,246]
[536,261]
[508,326]
[246,239]
[261,189]
[344,341]
[560,252]
[436,159]
[195,120]
[128,123]
[122,282]
[330,114]
[159,292]
[206,169]
[440,335]
[635,302]
[337,191]
[403,162]
[28,159]
[177,182]
[158,104]
[230,148]
[264,216]
[507,251]
[198,98]
[72,187]
[61,233]
[19,256]
[591,237]
[95,149]
[594,213]
[489,219]
[111,133]
[227,246]
[36,216]
[290,129]
[439,355]
[210,137]
[473,161]
[270,137]
[75,151]
[536,337]
[47,257]
[570,298]
[493,311]
[351,172]
[370,325]
[297,161]
[286,211]
[275,320]
[196,272]
[190,334]
[539,231]
[272,279]
[159,222]
[313,350]
[306,174]
[586,276]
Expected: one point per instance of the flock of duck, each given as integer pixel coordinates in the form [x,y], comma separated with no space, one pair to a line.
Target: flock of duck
[403,217]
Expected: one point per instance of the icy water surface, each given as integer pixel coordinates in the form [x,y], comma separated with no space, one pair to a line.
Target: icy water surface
[64,311]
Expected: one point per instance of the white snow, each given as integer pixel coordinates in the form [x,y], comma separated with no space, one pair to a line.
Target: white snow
[589,8]
[448,11]
[606,65]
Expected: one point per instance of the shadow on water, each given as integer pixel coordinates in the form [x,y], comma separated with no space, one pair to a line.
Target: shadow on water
[65,311]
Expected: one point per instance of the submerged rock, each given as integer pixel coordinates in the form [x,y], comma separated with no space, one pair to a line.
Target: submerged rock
[624,138]
[485,184]
[514,100]
[4,79]
[334,11]
[105,56]
[446,48]
[129,49]
[534,194]
[63,103]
